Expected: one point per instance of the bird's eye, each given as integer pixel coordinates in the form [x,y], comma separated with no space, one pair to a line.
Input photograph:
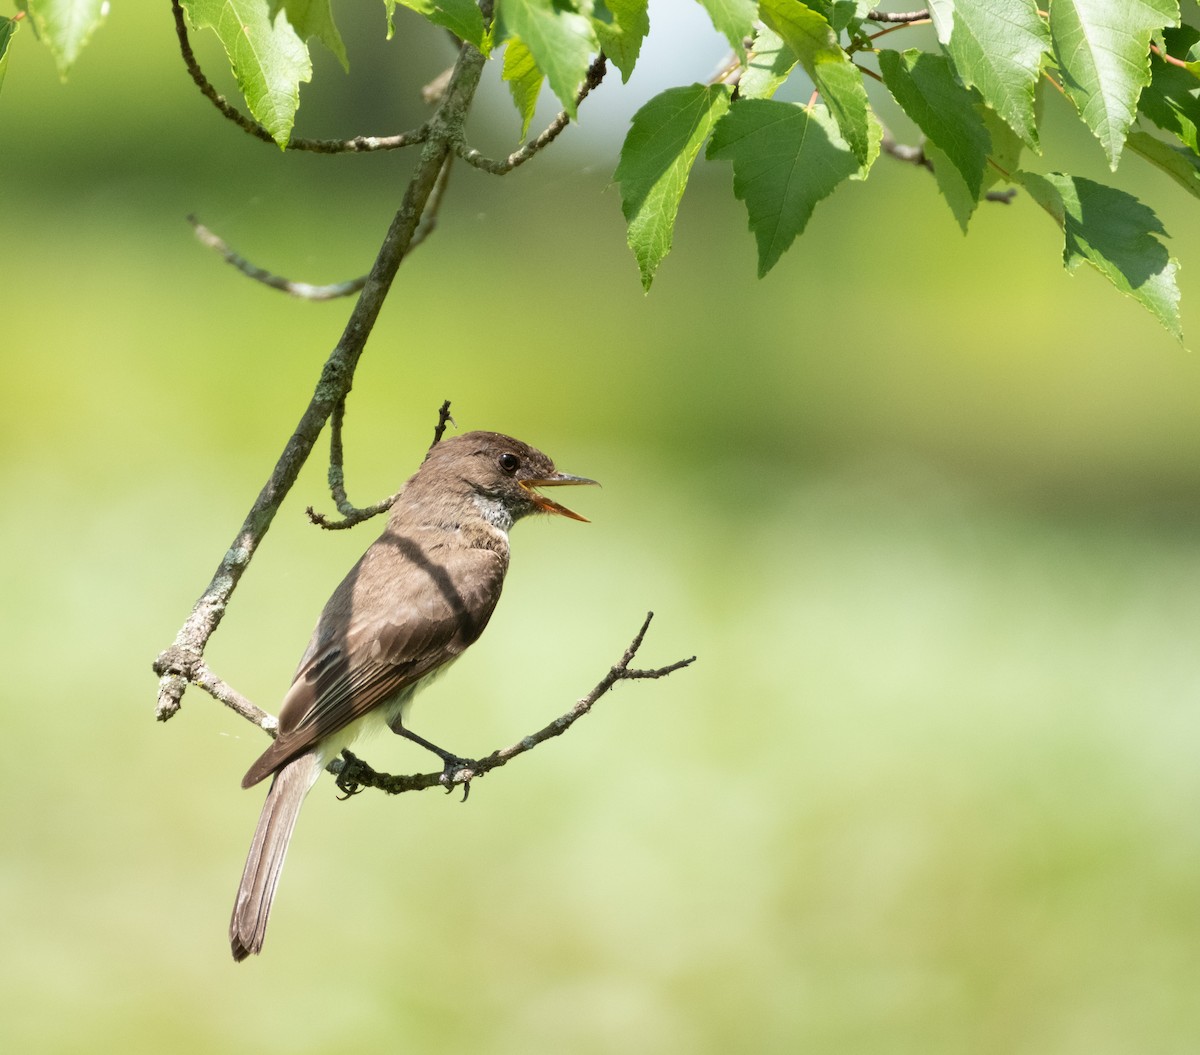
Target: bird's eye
[510,463]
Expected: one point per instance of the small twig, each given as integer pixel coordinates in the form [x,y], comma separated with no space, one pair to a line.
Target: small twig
[356,145]
[595,75]
[353,774]
[306,290]
[444,418]
[1170,58]
[302,290]
[915,155]
[351,514]
[898,16]
[234,700]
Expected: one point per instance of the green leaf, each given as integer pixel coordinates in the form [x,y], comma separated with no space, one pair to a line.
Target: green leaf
[786,158]
[8,29]
[1115,233]
[1181,164]
[621,35]
[926,89]
[961,199]
[313,18]
[1172,101]
[734,19]
[524,80]
[996,46]
[1103,53]
[811,38]
[562,43]
[461,17]
[66,25]
[769,63]
[841,14]
[268,59]
[656,158]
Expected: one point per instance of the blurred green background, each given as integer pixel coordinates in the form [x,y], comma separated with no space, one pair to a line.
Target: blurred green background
[924,506]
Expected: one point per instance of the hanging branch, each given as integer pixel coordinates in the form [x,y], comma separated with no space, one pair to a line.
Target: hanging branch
[180,664]
[356,145]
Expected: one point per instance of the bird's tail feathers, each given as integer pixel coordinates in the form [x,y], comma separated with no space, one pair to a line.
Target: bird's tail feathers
[260,878]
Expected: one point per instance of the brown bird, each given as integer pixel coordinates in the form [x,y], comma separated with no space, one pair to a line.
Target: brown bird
[421,593]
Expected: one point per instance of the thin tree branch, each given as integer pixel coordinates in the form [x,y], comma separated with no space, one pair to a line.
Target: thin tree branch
[301,290]
[595,75]
[351,514]
[898,16]
[353,775]
[179,664]
[356,145]
[305,290]
[915,155]
[444,418]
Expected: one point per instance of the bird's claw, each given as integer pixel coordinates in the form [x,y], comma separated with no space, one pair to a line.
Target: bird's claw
[450,773]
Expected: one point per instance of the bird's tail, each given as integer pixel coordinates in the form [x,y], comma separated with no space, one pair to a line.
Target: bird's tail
[260,877]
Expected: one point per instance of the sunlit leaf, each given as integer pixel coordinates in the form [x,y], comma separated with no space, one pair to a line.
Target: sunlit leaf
[656,159]
[524,80]
[66,25]
[734,19]
[996,46]
[1103,53]
[621,35]
[462,17]
[814,43]
[267,57]
[561,41]
[313,18]
[1115,233]
[786,158]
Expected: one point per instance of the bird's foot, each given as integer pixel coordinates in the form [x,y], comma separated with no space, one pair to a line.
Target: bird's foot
[458,771]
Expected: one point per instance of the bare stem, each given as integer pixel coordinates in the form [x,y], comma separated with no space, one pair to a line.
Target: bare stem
[180,663]
[353,775]
[355,145]
[595,75]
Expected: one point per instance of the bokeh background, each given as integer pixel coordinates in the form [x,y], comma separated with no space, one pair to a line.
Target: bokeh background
[925,507]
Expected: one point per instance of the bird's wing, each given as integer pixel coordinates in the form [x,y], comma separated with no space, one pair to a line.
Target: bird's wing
[369,646]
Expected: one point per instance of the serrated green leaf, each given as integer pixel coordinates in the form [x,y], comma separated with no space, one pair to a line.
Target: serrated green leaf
[462,17]
[622,33]
[268,59]
[313,18]
[786,158]
[562,43]
[1179,163]
[767,66]
[996,46]
[957,194]
[66,25]
[1172,100]
[925,87]
[733,19]
[1115,233]
[8,30]
[814,43]
[524,80]
[656,158]
[1103,53]
[1005,156]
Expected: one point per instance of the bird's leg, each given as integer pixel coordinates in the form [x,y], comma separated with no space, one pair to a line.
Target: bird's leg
[451,763]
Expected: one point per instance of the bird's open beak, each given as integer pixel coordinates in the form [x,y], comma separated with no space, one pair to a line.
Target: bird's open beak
[557,480]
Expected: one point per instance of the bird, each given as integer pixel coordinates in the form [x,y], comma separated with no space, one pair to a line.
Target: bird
[417,598]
